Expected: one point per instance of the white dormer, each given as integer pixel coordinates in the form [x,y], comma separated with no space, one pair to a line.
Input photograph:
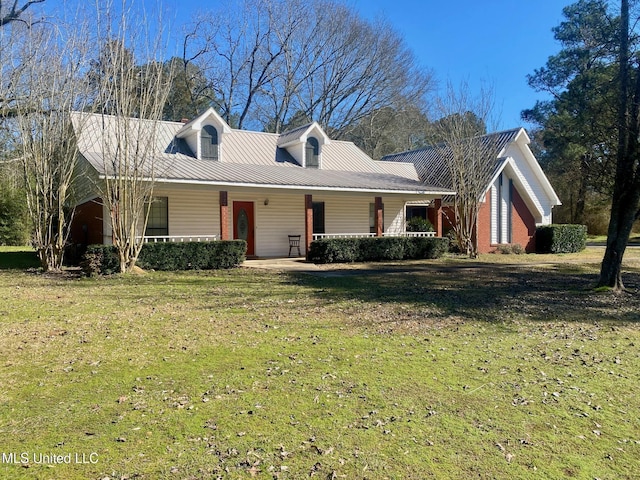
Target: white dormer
[204,135]
[304,144]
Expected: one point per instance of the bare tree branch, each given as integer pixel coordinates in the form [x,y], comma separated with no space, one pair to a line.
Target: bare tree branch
[45,90]
[273,60]
[131,98]
[471,157]
[15,12]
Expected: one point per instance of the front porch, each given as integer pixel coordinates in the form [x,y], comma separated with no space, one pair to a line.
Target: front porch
[266,217]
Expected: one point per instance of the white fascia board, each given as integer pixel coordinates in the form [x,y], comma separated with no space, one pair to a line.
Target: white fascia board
[87,198]
[195,125]
[535,166]
[494,178]
[291,143]
[315,127]
[520,178]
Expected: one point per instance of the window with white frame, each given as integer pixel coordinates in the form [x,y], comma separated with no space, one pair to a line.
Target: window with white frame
[158,220]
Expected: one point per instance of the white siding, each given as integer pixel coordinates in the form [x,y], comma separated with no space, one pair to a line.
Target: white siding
[195,210]
[84,183]
[531,185]
[494,212]
[284,215]
[394,215]
[350,213]
[504,210]
[107,230]
[500,205]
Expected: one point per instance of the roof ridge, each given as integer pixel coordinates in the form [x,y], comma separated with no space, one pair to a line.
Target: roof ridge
[110,115]
[240,130]
[302,127]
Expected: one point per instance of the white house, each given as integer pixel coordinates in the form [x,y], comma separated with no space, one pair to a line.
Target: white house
[215,182]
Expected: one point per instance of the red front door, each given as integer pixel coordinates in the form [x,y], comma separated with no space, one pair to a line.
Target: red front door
[243,225]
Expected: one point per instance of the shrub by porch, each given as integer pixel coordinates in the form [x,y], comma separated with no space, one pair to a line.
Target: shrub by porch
[169,256]
[372,249]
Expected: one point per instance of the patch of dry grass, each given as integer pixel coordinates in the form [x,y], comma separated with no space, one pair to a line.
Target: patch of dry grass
[438,369]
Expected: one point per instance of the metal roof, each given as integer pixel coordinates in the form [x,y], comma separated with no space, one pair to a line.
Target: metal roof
[250,159]
[294,134]
[431,162]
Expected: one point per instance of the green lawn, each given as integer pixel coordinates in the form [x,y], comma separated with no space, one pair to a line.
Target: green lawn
[435,369]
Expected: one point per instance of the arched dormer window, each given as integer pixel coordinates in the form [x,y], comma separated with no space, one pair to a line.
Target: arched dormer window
[312,155]
[209,142]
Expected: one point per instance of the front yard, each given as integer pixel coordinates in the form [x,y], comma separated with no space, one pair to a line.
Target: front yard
[433,369]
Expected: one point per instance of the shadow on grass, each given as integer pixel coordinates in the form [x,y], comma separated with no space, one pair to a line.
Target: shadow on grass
[488,292]
[18,260]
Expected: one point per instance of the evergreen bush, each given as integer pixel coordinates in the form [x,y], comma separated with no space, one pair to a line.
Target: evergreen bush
[168,256]
[374,249]
[419,224]
[561,238]
[14,217]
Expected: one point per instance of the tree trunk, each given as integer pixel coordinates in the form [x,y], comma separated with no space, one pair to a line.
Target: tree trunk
[622,218]
[626,191]
[578,216]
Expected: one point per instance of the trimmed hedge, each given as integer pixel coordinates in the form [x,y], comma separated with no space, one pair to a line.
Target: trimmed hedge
[375,249]
[100,260]
[561,238]
[171,256]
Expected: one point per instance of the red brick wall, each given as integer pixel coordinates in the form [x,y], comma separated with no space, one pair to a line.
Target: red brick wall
[448,217]
[523,225]
[89,214]
[224,216]
[484,225]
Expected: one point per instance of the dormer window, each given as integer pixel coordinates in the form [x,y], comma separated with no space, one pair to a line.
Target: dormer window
[209,142]
[312,154]
[304,144]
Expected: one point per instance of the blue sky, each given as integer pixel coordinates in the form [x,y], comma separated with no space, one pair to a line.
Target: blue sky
[495,41]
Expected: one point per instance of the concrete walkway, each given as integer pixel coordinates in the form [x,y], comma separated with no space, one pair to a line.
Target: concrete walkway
[293,264]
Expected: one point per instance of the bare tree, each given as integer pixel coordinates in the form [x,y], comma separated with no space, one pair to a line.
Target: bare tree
[391,130]
[13,14]
[15,11]
[359,67]
[237,49]
[131,97]
[46,84]
[470,156]
[269,60]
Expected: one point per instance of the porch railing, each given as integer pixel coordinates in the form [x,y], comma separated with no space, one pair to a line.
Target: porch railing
[179,238]
[321,236]
[410,234]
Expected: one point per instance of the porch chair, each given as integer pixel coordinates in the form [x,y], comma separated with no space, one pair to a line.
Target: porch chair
[294,242]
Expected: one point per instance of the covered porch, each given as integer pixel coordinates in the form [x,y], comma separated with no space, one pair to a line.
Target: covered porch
[266,219]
